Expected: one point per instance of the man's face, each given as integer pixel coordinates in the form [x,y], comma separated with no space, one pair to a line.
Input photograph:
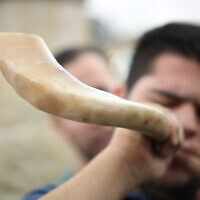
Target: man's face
[91,69]
[175,83]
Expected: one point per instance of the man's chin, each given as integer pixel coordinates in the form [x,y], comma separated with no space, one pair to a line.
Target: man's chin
[176,184]
[176,176]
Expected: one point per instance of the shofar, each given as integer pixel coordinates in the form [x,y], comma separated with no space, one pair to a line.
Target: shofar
[33,72]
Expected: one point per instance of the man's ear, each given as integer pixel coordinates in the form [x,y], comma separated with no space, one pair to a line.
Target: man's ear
[56,122]
[60,125]
[120,90]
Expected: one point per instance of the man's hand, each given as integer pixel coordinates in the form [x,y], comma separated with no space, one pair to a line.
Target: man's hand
[127,162]
[144,163]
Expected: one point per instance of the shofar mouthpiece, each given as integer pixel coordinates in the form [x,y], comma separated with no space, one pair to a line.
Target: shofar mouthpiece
[33,72]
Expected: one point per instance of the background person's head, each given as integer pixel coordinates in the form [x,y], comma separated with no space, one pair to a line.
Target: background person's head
[89,65]
[166,70]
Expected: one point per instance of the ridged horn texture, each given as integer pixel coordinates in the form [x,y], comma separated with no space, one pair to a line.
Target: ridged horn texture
[28,65]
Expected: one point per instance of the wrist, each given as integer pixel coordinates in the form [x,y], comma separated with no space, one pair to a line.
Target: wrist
[129,175]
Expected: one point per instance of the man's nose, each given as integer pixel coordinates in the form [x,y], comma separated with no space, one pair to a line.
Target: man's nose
[187,116]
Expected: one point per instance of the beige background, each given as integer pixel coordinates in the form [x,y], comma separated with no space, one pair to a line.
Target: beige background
[31,153]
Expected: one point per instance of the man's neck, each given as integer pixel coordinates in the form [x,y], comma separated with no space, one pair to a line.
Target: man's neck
[83,160]
[156,191]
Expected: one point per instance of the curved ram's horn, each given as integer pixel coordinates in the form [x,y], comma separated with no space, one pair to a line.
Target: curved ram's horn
[33,72]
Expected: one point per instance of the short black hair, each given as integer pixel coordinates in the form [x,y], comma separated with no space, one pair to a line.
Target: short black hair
[180,38]
[69,55]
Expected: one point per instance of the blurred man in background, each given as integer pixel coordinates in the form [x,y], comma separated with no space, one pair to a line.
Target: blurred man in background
[90,66]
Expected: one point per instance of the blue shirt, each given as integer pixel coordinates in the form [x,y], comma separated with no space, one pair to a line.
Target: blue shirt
[40,192]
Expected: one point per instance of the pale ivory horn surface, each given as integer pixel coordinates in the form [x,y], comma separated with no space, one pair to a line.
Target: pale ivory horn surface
[33,72]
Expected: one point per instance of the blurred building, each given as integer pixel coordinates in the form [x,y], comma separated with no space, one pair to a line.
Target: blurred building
[118,24]
[31,154]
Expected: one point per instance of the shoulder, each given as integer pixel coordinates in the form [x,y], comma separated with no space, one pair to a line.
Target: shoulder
[136,196]
[36,194]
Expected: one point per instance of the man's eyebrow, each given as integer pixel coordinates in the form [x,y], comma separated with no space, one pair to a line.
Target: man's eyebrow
[169,94]
[176,97]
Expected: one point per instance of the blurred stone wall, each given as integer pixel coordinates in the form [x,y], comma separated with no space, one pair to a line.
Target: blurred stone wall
[31,153]
[60,22]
